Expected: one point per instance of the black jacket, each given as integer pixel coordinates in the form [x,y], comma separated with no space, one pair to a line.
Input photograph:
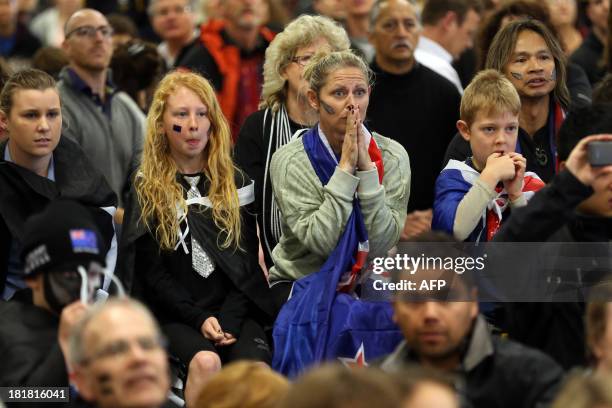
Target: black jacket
[495,372]
[175,292]
[589,57]
[23,193]
[26,43]
[29,349]
[419,110]
[257,143]
[557,328]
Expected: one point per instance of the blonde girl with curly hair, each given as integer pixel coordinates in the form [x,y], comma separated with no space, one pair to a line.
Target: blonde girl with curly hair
[191,238]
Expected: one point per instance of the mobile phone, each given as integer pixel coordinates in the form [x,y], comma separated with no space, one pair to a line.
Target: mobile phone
[600,153]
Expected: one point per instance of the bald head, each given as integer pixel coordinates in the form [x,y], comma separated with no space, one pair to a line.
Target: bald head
[88,43]
[119,356]
[383,5]
[74,19]
[99,317]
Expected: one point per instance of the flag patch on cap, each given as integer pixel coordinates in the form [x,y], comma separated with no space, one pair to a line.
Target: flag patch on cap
[84,241]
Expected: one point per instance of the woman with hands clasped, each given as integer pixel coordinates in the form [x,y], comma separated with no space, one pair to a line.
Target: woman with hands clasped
[190,235]
[338,163]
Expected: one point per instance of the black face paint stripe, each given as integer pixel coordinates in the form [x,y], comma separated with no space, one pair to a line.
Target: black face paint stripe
[328,108]
[177,128]
[105,387]
[517,76]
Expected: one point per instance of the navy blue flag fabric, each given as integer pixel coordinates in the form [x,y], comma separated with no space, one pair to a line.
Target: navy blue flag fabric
[318,323]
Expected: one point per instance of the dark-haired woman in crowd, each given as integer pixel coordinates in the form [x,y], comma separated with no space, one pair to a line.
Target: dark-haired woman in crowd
[37,165]
[136,68]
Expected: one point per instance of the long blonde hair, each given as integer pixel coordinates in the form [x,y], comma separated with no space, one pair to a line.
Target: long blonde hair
[158,191]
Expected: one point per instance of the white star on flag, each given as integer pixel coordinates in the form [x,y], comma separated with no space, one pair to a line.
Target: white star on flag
[358,361]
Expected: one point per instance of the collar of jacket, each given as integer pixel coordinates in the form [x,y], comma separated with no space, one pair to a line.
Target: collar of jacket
[480,346]
[75,176]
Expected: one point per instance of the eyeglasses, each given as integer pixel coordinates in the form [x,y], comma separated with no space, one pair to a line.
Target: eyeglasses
[121,348]
[301,60]
[91,31]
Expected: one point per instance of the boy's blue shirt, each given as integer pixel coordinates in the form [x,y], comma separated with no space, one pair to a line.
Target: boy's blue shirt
[452,185]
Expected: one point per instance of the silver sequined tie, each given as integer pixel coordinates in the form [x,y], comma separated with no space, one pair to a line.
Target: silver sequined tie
[200,261]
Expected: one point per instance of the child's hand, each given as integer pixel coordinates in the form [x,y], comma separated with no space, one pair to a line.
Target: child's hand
[212,330]
[514,186]
[227,340]
[498,168]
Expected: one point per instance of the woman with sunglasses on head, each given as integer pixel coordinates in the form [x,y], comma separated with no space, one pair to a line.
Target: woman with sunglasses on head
[284,111]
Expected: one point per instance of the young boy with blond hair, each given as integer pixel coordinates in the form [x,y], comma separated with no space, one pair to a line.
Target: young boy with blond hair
[472,197]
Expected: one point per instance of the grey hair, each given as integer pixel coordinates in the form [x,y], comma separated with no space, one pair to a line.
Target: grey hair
[301,32]
[375,12]
[76,353]
[152,3]
[323,64]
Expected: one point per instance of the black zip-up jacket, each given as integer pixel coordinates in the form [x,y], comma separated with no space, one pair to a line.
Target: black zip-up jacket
[557,328]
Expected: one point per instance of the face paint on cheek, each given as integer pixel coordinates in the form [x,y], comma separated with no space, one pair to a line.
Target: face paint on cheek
[177,128]
[104,383]
[553,75]
[517,76]
[328,109]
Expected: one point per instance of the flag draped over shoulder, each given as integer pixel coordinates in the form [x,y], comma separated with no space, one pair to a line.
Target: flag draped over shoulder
[323,319]
[452,185]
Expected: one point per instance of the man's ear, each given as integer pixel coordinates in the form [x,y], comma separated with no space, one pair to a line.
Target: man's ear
[34,282]
[79,378]
[474,307]
[450,21]
[464,130]
[562,165]
[3,119]
[313,100]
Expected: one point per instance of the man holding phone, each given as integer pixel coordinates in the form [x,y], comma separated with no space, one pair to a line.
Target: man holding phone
[576,207]
[36,324]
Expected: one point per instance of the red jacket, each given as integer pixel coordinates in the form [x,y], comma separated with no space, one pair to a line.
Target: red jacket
[227,58]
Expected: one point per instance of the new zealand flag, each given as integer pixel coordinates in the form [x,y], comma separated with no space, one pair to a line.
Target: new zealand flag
[324,320]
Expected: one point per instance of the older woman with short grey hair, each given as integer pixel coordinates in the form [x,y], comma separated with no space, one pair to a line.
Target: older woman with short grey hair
[284,111]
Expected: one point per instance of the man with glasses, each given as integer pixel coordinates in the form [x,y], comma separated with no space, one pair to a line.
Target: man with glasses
[118,356]
[411,104]
[107,123]
[173,21]
[230,54]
